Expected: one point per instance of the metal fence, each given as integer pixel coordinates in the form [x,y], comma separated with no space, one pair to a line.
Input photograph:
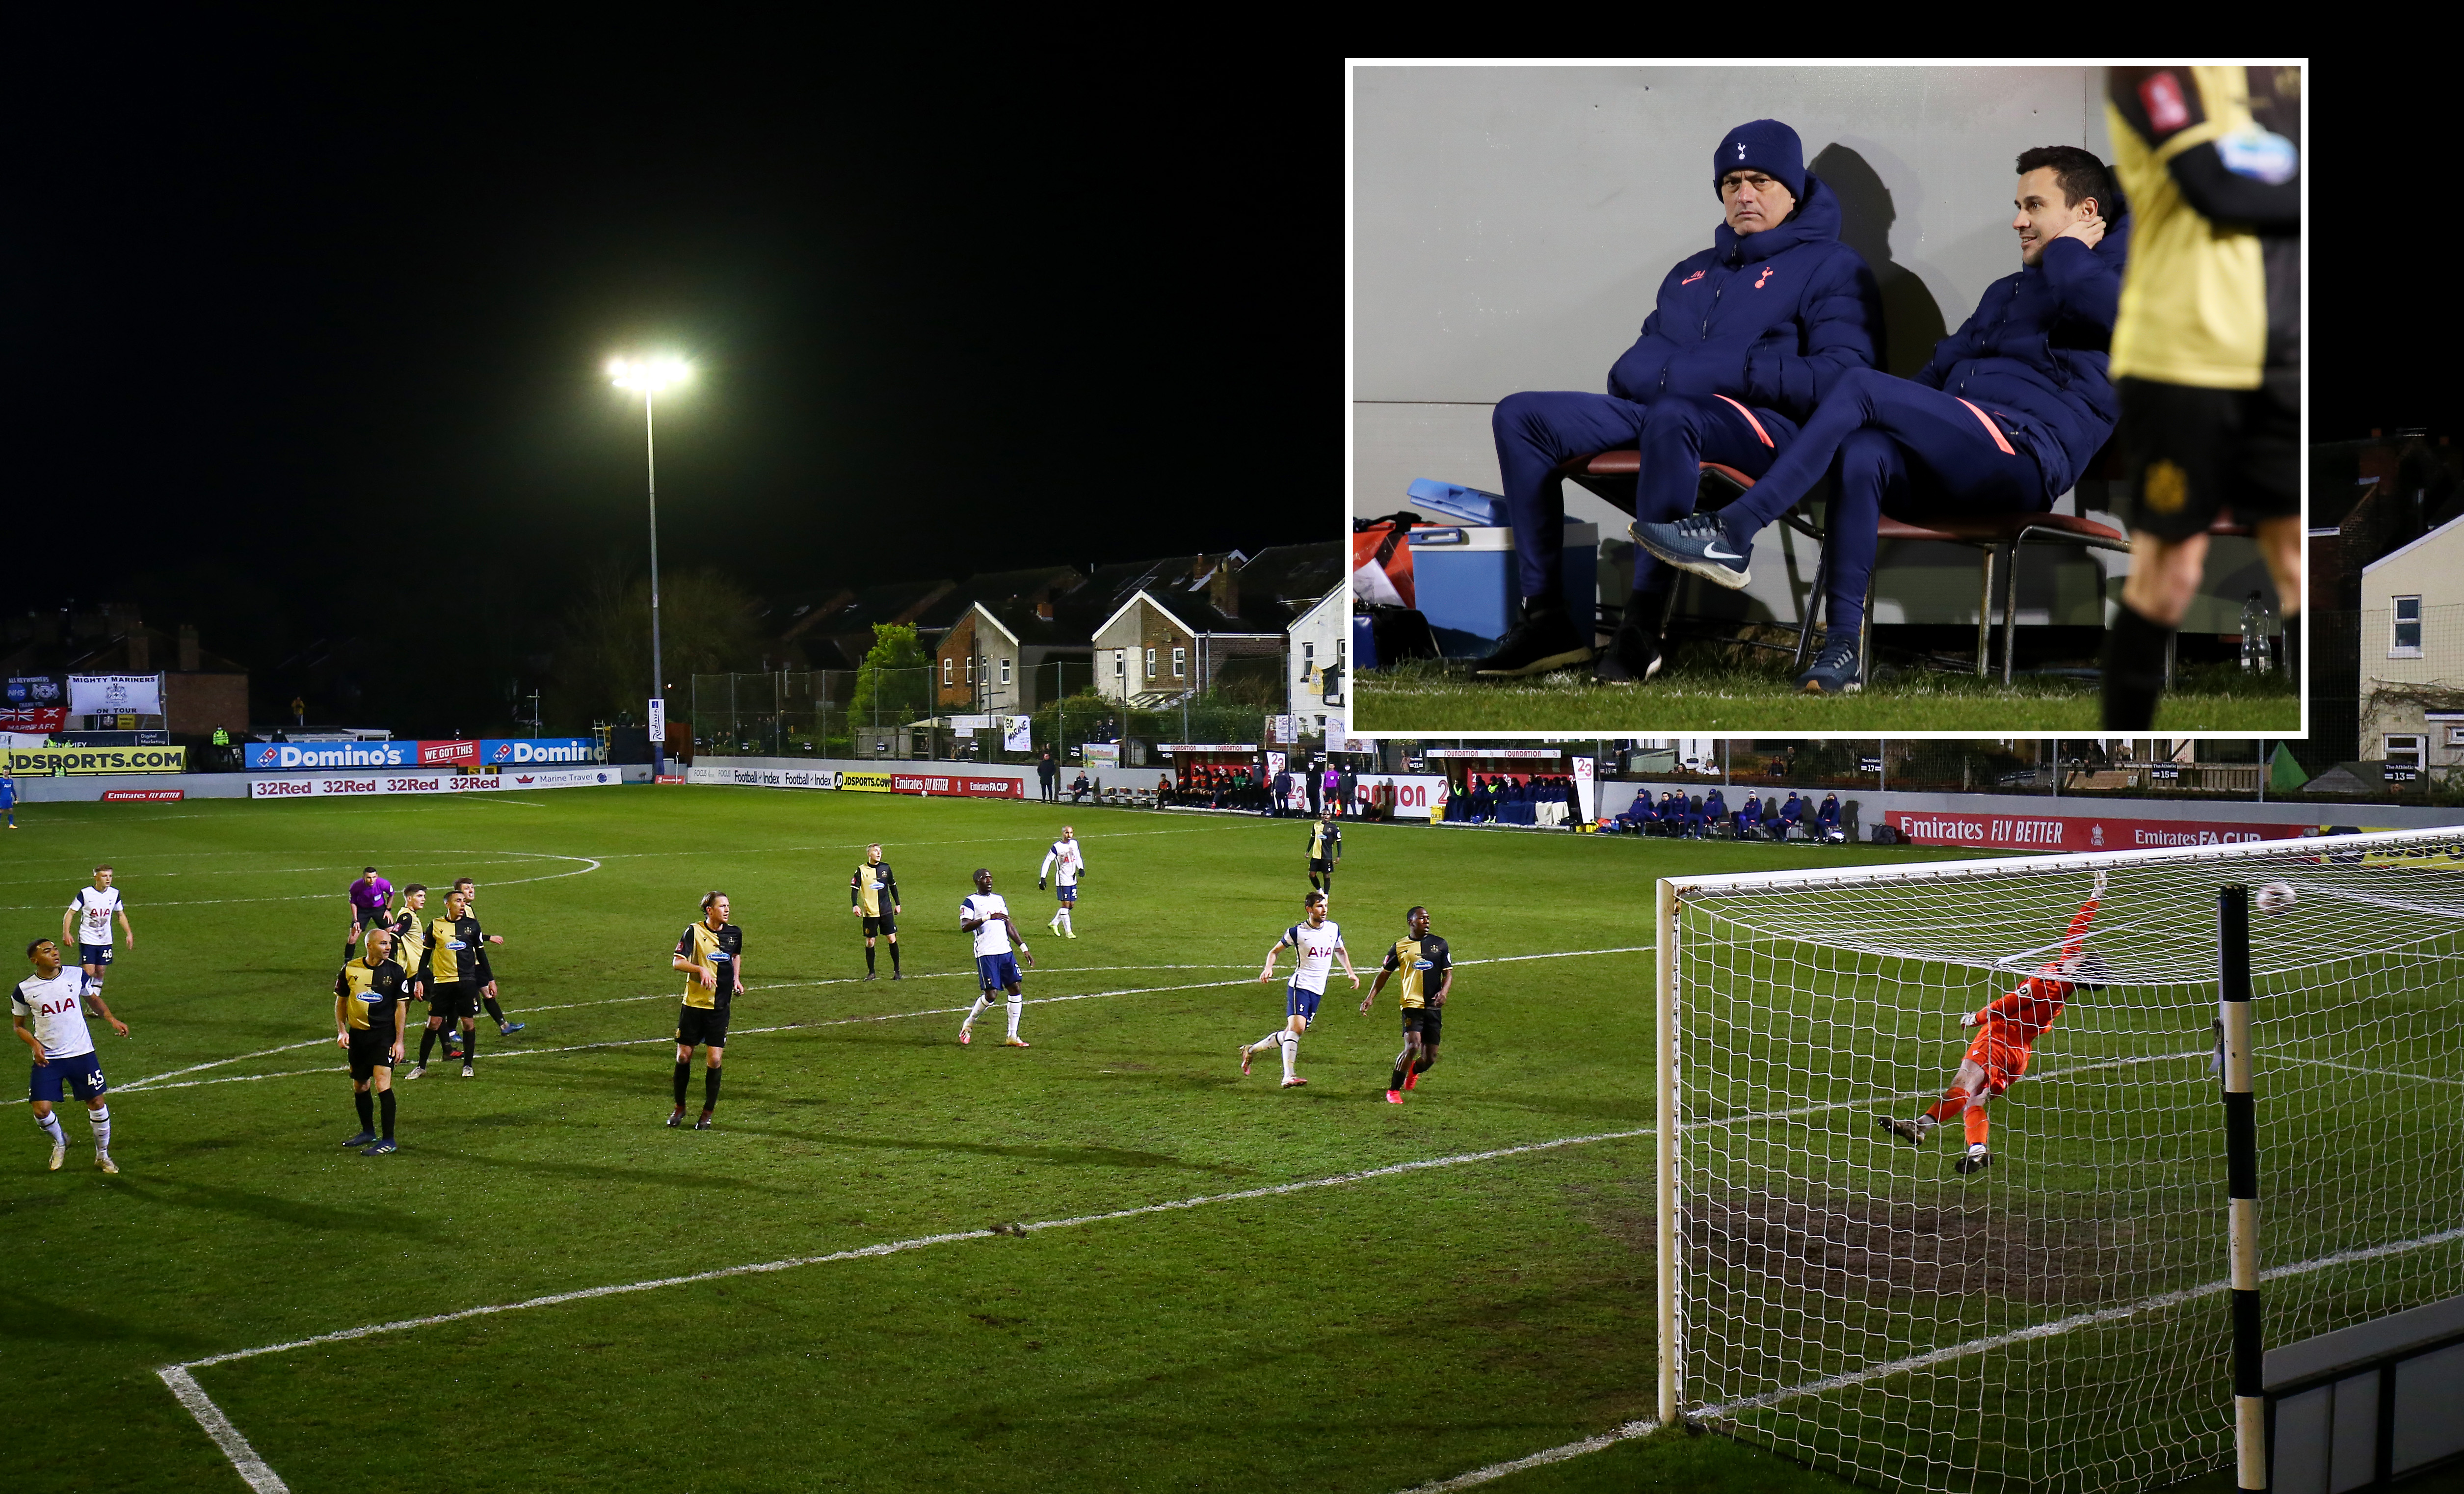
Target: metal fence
[887,714]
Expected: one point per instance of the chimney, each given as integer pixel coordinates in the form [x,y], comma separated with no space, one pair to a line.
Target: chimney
[189,649]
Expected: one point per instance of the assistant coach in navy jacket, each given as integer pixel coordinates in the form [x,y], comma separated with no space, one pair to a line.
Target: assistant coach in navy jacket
[1747,337]
[2011,409]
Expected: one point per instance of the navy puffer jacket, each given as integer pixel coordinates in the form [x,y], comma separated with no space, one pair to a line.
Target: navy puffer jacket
[2035,349]
[1770,319]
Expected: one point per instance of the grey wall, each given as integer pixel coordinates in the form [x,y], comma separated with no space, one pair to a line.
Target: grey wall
[1512,224]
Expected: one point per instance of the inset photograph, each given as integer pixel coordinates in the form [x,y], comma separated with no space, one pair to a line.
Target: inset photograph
[1826,399]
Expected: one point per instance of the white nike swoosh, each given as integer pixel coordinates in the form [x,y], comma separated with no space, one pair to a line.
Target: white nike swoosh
[1714,552]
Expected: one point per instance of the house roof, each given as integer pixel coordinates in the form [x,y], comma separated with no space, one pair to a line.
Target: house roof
[1034,584]
[2416,544]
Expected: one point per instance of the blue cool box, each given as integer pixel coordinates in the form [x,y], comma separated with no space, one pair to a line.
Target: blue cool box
[1463,579]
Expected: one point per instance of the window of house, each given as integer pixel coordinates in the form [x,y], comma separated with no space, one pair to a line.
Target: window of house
[1150,653]
[2406,641]
[2455,736]
[1120,664]
[1309,662]
[1180,663]
[1004,671]
[971,669]
[2403,751]
[948,668]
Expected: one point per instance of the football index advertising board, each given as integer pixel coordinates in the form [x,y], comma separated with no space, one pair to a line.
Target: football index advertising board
[44,762]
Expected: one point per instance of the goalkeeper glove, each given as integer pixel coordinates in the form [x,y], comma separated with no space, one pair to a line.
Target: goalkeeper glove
[1039,884]
[2097,890]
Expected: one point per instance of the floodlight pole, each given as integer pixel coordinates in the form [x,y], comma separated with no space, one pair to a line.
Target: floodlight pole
[2241,1169]
[650,462]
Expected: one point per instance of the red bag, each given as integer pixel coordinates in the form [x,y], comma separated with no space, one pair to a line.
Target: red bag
[1381,560]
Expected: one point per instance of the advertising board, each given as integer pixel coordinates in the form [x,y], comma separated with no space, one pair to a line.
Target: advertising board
[312,756]
[445,755]
[322,785]
[511,750]
[42,761]
[2076,832]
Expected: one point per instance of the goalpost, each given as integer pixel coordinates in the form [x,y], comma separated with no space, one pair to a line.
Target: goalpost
[2061,1318]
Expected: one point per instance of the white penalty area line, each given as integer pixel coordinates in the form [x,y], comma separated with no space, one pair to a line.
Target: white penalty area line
[1924,1361]
[312,897]
[261,1478]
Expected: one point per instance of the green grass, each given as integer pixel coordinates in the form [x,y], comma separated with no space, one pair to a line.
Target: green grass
[1705,692]
[1365,1336]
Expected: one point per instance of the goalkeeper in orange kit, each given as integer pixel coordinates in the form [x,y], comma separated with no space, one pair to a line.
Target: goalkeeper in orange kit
[2010,1026]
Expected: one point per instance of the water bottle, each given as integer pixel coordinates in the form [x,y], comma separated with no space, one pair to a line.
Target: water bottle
[2258,623]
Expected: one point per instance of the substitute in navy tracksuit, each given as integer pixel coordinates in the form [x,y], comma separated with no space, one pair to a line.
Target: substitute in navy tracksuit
[2005,418]
[1747,337]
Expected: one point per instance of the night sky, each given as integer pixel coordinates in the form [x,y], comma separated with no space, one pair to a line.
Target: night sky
[300,318]
[303,318]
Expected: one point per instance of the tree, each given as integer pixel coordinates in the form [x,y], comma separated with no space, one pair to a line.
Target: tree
[705,625]
[894,683]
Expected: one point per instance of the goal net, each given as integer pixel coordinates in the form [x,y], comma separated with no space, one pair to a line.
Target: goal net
[2055,1319]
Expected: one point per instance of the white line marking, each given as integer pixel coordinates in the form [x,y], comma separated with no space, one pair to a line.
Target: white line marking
[1499,1470]
[2383,1073]
[310,897]
[252,1467]
[922,1241]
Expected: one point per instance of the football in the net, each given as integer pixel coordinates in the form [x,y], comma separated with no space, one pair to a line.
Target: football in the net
[2277,897]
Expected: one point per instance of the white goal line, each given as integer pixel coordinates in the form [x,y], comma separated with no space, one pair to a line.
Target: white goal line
[1927,1360]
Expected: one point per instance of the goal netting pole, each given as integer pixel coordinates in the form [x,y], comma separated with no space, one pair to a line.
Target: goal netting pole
[1863,1270]
[2241,1163]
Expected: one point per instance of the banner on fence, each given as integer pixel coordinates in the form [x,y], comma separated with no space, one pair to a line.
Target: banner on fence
[113,694]
[1409,794]
[1018,733]
[2076,832]
[331,755]
[42,761]
[445,755]
[38,720]
[315,785]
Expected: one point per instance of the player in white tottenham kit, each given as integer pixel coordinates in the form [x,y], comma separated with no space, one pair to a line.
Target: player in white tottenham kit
[986,916]
[86,923]
[64,1056]
[1316,946]
[1068,859]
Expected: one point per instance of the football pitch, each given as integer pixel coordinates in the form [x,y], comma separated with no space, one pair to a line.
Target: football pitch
[1106,1261]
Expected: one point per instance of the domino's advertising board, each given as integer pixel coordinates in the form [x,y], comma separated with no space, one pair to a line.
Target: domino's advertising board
[514,751]
[332,755]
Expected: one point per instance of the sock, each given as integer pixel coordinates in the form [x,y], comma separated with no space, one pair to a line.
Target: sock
[2134,670]
[1313,882]
[469,1045]
[709,1090]
[102,1119]
[1954,1101]
[50,1126]
[1291,1042]
[1017,1005]
[384,1104]
[982,1001]
[493,1010]
[368,1108]
[894,954]
[426,1043]
[1065,922]
[1976,1126]
[868,960]
[1329,884]
[1396,1080]
[684,1077]
[1269,1040]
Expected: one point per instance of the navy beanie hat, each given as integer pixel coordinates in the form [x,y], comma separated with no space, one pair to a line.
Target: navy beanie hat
[1765,146]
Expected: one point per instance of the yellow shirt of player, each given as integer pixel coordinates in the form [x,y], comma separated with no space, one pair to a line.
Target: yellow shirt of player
[867,889]
[1424,962]
[2194,299]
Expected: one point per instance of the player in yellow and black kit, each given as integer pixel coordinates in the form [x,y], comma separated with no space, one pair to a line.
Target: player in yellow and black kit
[2206,353]
[370,995]
[711,955]
[1428,975]
[453,971]
[873,894]
[1326,848]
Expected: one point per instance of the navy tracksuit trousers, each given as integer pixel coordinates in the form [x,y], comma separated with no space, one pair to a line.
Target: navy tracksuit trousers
[1902,449]
[1675,434]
